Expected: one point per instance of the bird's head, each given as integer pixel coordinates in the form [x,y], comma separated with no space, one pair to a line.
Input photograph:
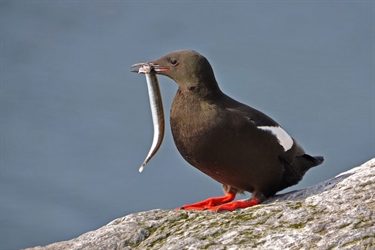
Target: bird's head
[187,68]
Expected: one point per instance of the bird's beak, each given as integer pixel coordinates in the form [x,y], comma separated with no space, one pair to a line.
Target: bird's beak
[140,67]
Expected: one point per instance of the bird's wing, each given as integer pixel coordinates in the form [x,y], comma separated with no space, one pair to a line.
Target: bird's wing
[265,123]
[258,118]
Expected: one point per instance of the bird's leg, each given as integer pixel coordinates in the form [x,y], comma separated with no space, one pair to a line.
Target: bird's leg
[210,203]
[234,205]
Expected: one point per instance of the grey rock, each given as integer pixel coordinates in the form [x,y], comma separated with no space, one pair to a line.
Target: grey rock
[336,214]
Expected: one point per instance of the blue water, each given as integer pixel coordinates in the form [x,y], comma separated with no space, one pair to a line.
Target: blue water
[76,123]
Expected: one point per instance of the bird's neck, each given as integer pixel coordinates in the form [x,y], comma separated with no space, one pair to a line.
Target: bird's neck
[192,106]
[199,90]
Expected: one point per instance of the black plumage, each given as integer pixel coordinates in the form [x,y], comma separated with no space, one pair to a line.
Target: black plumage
[236,145]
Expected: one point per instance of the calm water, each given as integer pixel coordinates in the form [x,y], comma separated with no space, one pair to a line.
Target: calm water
[76,124]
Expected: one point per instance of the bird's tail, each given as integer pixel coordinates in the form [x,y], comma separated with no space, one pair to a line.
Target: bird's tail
[305,162]
[293,173]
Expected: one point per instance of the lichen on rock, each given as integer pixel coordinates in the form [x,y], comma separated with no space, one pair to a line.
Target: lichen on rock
[336,214]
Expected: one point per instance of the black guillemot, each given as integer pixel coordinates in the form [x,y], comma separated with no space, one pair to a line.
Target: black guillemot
[238,146]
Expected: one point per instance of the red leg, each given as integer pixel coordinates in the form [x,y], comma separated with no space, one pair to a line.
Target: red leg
[209,203]
[234,205]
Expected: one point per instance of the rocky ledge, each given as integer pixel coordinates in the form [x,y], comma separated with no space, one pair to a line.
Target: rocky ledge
[336,214]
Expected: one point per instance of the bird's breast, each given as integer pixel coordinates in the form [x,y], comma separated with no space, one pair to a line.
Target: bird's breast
[194,124]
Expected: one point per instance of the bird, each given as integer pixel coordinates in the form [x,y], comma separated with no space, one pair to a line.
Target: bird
[238,146]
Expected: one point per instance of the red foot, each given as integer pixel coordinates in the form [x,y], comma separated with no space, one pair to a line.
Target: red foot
[220,204]
[234,205]
[209,203]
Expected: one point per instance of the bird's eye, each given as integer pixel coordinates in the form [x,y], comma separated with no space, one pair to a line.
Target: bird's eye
[173,62]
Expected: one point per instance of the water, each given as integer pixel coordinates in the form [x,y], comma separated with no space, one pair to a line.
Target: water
[76,124]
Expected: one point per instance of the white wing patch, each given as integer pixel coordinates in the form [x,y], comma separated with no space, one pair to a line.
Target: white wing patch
[284,139]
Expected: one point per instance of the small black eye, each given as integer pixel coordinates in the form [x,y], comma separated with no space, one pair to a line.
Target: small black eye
[173,62]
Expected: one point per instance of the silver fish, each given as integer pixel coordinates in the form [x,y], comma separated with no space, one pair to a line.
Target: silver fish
[156,108]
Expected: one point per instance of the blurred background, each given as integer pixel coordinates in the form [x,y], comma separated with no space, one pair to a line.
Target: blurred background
[76,123]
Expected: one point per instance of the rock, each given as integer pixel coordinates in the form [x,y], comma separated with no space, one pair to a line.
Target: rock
[335,214]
